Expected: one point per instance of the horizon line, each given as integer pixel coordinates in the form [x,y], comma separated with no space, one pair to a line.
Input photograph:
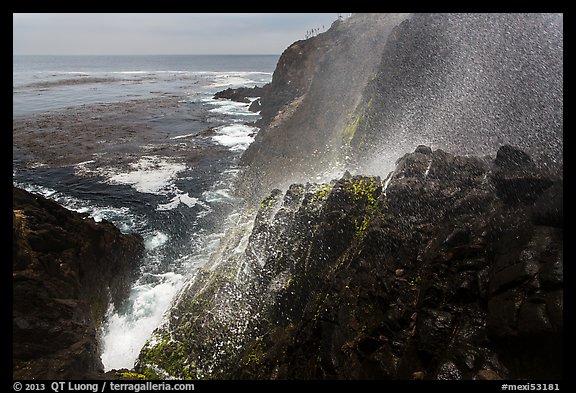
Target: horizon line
[146,54]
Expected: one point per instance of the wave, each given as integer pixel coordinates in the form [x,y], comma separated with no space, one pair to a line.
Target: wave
[184,199]
[155,240]
[184,136]
[123,217]
[231,108]
[157,175]
[233,81]
[126,332]
[237,137]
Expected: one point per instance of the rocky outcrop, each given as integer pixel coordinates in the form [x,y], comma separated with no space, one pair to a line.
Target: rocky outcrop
[447,277]
[315,87]
[444,270]
[240,94]
[66,270]
[450,268]
[373,87]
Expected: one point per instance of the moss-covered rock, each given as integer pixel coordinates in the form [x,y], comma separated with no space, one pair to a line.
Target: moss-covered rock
[410,296]
[356,280]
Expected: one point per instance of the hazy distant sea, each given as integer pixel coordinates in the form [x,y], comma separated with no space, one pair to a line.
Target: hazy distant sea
[43,83]
[181,208]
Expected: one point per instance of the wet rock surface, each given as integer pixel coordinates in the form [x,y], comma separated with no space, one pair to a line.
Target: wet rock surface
[480,292]
[241,94]
[438,275]
[66,269]
[313,95]
[374,85]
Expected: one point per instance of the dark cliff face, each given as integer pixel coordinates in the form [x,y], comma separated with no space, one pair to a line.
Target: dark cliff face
[315,88]
[453,272]
[466,83]
[66,270]
[374,87]
[449,269]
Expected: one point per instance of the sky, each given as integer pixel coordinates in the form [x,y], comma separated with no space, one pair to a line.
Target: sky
[124,33]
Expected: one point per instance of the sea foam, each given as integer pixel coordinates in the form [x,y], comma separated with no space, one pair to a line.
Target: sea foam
[125,333]
[151,174]
[237,136]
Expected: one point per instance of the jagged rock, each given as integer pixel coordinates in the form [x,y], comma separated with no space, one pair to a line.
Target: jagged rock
[449,277]
[477,237]
[516,188]
[458,237]
[448,371]
[487,375]
[549,207]
[256,105]
[348,280]
[433,330]
[374,84]
[66,269]
[510,157]
[423,149]
[311,99]
[240,94]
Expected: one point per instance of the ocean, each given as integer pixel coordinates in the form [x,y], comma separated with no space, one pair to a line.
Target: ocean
[138,141]
[43,83]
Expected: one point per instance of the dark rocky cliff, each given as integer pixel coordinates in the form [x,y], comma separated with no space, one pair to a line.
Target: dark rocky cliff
[449,269]
[315,89]
[466,83]
[453,272]
[375,86]
[66,269]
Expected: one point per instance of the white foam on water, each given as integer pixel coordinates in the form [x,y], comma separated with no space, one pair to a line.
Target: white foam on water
[156,240]
[46,192]
[81,169]
[151,174]
[132,72]
[85,162]
[127,330]
[182,198]
[122,217]
[37,165]
[232,80]
[237,137]
[190,201]
[173,204]
[81,73]
[217,196]
[232,171]
[125,333]
[232,108]
[184,136]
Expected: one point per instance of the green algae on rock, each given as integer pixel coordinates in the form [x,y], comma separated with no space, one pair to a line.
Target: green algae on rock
[356,280]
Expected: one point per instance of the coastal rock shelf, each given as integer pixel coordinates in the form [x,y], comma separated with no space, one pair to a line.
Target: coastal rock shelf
[442,271]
